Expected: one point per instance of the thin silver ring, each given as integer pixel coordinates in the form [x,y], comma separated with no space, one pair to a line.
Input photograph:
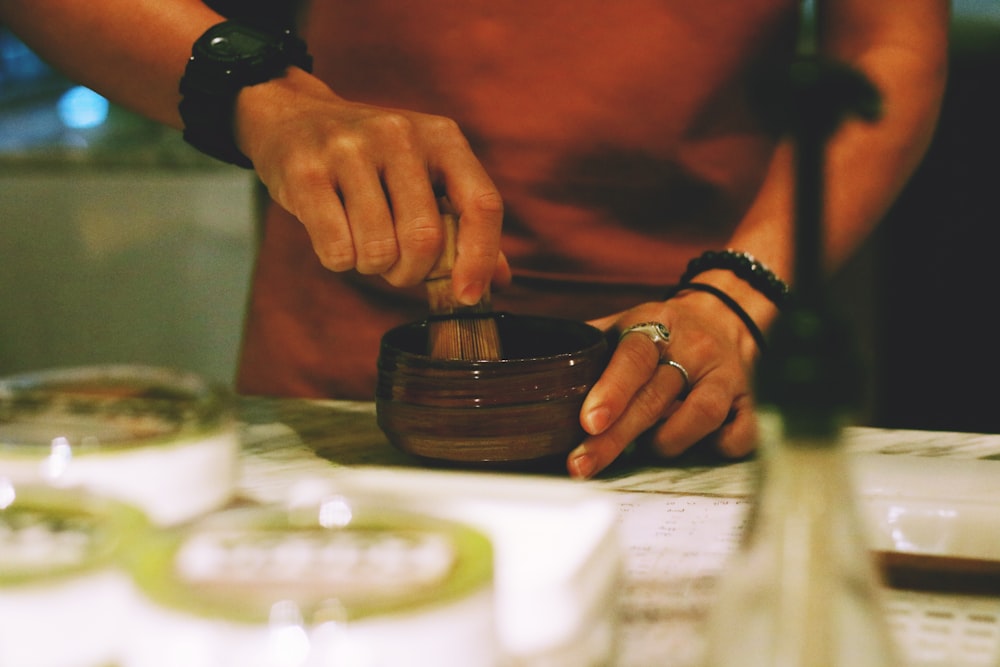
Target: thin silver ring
[656,332]
[684,376]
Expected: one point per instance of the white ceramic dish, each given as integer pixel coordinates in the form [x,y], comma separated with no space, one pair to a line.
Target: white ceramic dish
[558,558]
[62,600]
[162,440]
[328,583]
[932,506]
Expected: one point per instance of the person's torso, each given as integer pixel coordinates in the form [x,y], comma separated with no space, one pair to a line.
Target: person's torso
[615,131]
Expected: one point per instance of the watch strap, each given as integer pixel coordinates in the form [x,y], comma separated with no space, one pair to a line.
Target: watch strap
[209,86]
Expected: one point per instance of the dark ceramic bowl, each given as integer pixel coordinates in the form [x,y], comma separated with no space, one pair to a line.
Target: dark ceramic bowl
[522,408]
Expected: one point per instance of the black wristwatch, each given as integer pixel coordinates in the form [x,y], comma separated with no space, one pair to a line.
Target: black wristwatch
[227,58]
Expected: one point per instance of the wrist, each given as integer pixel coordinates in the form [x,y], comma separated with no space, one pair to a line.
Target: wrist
[761,309]
[744,266]
[725,313]
[264,105]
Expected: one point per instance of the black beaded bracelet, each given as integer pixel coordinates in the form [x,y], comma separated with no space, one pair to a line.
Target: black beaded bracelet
[744,266]
[730,302]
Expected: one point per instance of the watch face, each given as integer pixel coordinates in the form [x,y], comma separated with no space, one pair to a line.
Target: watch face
[228,57]
[236,44]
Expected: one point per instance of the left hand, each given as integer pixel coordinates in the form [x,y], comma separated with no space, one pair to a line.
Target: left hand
[637,395]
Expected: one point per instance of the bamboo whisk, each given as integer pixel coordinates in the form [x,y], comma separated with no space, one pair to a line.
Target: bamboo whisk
[456,331]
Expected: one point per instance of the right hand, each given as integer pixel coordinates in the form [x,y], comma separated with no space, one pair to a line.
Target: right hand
[362,180]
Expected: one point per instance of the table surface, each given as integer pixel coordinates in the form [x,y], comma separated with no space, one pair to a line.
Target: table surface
[678,523]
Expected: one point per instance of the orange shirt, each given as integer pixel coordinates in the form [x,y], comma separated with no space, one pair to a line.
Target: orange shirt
[621,135]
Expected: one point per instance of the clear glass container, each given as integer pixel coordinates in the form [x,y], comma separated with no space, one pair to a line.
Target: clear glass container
[803,589]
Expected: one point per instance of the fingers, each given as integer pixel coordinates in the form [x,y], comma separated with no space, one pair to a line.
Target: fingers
[629,370]
[315,202]
[349,222]
[373,230]
[711,412]
[646,407]
[362,181]
[668,394]
[480,210]
[706,413]
[416,222]
[441,155]
[738,435]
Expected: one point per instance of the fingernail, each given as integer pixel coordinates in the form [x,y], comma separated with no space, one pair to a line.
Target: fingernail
[581,464]
[596,420]
[471,293]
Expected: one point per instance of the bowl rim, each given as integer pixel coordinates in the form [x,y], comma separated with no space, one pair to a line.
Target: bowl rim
[600,342]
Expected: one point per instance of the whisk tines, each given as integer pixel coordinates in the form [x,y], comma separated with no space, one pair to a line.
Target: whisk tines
[456,331]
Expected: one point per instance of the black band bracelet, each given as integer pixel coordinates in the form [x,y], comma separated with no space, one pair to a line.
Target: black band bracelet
[746,267]
[730,302]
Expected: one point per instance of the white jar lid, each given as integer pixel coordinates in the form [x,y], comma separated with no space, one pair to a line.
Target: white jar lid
[400,588]
[62,600]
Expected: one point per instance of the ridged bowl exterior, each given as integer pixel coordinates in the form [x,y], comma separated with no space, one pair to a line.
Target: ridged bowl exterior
[521,408]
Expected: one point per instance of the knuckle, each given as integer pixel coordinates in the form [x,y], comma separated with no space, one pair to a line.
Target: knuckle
[336,257]
[635,356]
[377,255]
[423,235]
[392,124]
[304,172]
[300,180]
[649,406]
[347,147]
[396,278]
[445,129]
[651,401]
[735,447]
[699,347]
[488,203]
[392,130]
[711,411]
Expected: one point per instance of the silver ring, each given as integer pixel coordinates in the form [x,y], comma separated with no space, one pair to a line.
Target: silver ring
[654,331]
[684,376]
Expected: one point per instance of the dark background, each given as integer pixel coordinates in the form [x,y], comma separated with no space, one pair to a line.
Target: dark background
[924,293]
